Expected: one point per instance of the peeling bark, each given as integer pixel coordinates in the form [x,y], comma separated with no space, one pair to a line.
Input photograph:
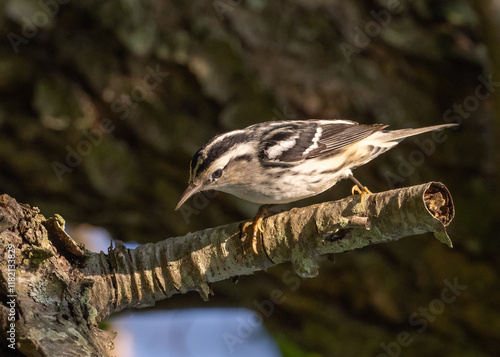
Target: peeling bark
[62,291]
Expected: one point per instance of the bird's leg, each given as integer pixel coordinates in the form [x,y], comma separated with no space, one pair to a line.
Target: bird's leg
[359,188]
[257,227]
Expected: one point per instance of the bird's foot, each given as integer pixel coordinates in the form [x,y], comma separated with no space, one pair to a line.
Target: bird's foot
[364,192]
[257,245]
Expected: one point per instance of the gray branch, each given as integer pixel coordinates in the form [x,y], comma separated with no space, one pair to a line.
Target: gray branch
[66,290]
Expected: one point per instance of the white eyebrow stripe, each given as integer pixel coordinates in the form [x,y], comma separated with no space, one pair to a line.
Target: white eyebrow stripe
[317,136]
[223,136]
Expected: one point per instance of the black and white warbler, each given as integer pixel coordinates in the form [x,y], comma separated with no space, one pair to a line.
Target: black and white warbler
[284,161]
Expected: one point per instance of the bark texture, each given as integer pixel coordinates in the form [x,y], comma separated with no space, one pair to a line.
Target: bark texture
[61,291]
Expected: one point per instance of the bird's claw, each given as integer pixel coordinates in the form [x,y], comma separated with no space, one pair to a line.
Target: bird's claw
[355,189]
[257,227]
[364,192]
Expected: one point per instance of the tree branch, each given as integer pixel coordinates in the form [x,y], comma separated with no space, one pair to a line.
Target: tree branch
[153,272]
[64,289]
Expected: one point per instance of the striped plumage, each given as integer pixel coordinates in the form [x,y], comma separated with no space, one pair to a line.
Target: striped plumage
[285,161]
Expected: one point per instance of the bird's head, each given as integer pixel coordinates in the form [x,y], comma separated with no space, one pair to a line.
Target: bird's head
[217,165]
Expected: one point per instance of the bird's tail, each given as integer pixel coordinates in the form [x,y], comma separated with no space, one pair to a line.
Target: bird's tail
[400,134]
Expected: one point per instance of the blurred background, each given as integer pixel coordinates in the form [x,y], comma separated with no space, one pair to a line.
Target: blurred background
[102,105]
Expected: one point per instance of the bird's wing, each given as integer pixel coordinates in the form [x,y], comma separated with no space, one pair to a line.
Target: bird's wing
[295,141]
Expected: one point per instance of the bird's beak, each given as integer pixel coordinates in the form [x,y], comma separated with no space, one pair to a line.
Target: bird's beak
[191,190]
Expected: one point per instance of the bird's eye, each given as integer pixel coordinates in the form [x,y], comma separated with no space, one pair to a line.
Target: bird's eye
[216,174]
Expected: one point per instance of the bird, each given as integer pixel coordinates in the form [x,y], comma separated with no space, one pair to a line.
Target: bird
[285,161]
